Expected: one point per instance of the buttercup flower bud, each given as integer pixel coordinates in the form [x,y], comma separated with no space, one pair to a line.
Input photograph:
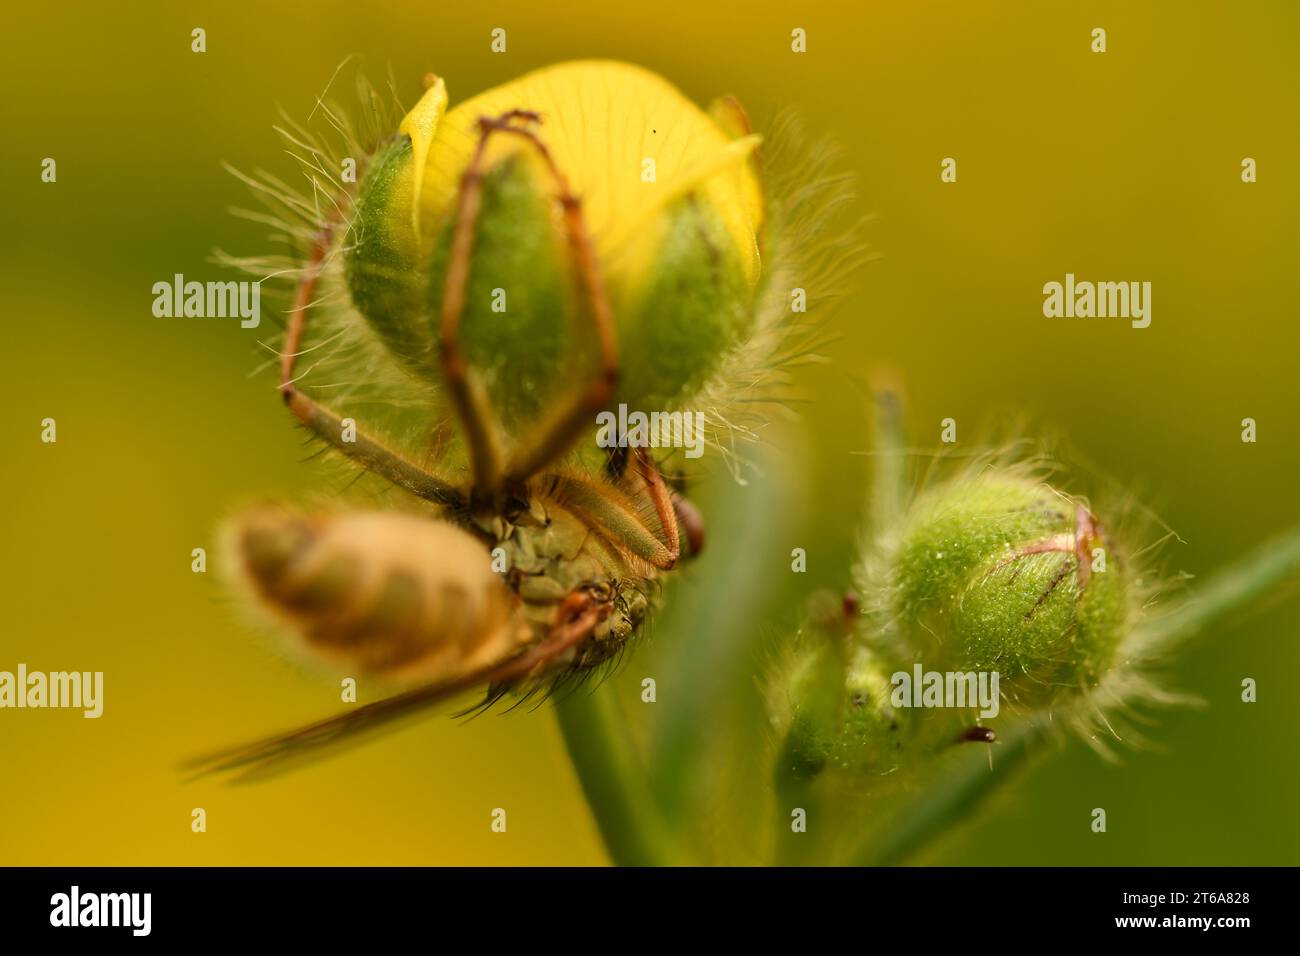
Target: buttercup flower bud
[806,692]
[1001,573]
[868,727]
[829,702]
[669,198]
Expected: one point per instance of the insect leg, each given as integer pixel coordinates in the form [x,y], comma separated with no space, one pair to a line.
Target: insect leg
[691,522]
[615,517]
[554,436]
[468,395]
[662,498]
[575,620]
[366,451]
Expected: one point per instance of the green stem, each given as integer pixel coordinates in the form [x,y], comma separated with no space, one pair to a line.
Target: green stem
[968,783]
[888,491]
[714,631]
[965,785]
[614,780]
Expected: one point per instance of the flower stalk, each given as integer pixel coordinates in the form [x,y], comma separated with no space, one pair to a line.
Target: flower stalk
[614,780]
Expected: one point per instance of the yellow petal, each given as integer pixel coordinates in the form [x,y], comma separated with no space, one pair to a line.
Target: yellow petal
[600,120]
[421,124]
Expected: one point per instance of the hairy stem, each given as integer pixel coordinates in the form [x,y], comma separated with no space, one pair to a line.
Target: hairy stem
[888,492]
[711,662]
[965,785]
[614,781]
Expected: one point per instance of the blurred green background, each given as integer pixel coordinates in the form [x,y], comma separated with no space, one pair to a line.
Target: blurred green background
[1117,166]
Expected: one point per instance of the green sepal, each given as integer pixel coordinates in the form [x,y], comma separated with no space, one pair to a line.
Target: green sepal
[381,259]
[520,248]
[693,307]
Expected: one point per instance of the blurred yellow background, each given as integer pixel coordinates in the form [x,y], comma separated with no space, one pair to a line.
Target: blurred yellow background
[1124,165]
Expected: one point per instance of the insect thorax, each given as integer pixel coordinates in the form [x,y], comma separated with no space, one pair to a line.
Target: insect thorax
[549,552]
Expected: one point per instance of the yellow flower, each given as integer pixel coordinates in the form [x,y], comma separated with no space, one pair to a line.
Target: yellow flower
[670,199]
[601,120]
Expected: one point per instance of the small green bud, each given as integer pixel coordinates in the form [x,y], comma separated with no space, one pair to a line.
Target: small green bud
[811,684]
[868,727]
[996,573]
[830,700]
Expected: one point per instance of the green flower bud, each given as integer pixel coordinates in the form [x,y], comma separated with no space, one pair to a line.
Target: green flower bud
[1001,573]
[868,733]
[812,683]
[829,703]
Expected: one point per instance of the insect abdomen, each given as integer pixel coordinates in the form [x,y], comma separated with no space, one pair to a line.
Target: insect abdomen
[385,593]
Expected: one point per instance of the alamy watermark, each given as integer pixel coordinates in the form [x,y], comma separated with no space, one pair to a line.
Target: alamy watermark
[961,689]
[59,689]
[1086,300]
[208,300]
[653,430]
[75,908]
